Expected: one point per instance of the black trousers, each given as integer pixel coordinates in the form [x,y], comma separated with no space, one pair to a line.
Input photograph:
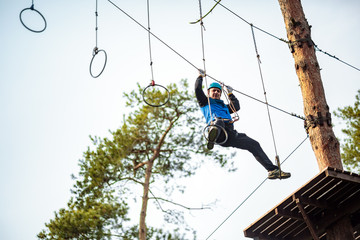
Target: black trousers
[242,141]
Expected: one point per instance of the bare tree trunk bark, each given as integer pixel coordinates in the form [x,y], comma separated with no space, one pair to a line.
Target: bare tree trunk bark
[341,230]
[148,172]
[145,199]
[324,143]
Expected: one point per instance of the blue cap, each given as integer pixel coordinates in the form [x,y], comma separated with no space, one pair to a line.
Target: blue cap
[215,85]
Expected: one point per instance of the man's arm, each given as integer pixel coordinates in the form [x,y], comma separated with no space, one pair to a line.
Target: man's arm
[235,102]
[200,95]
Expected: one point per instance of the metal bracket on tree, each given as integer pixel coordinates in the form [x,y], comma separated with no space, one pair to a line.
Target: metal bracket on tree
[313,122]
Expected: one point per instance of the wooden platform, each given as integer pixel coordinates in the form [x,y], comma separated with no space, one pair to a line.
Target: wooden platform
[307,212]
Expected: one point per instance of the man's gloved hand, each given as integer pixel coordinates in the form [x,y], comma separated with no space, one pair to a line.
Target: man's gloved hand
[202,73]
[229,89]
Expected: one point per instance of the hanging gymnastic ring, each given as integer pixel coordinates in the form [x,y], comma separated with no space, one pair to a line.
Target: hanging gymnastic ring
[222,129]
[152,84]
[32,9]
[95,52]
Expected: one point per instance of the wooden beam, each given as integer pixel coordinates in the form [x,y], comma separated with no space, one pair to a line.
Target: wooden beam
[348,177]
[307,220]
[314,202]
[288,214]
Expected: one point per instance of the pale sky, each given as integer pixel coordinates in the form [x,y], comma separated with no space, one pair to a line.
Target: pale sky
[50,104]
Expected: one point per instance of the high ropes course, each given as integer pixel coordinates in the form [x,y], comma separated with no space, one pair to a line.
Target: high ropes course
[152,85]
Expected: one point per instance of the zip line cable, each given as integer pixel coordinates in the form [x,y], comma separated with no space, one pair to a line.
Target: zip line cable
[227,218]
[283,40]
[333,56]
[190,63]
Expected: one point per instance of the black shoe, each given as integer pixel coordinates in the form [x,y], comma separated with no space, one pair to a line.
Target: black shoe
[212,137]
[276,174]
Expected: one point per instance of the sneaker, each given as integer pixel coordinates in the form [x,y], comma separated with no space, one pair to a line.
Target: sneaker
[212,137]
[276,174]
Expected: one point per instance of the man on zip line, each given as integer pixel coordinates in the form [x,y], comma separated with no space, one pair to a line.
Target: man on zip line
[221,128]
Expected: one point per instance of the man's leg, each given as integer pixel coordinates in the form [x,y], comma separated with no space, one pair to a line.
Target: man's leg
[242,141]
[215,130]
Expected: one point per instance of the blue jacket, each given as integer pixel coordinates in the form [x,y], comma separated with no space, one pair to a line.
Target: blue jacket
[218,108]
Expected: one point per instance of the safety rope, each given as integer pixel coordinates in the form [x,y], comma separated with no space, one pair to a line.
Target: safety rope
[96,50]
[193,65]
[231,105]
[148,99]
[263,85]
[96,24]
[149,36]
[202,28]
[247,198]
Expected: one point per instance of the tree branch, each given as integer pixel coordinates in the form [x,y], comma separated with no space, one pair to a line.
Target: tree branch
[140,165]
[177,204]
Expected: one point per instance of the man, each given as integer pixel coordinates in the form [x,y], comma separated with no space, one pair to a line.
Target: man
[221,128]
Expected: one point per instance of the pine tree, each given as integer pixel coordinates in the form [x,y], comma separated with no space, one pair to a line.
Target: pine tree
[350,147]
[153,146]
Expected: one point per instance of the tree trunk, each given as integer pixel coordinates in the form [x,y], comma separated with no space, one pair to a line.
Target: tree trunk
[148,171]
[341,230]
[318,119]
[145,199]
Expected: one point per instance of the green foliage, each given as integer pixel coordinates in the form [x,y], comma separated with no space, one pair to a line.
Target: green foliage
[350,148]
[111,169]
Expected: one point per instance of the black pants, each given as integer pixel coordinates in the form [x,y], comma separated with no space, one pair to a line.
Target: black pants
[242,141]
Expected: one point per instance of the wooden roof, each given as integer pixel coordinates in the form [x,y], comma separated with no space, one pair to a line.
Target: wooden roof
[325,199]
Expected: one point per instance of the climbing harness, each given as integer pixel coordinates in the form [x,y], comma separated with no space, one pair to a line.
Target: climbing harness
[96,50]
[153,94]
[36,11]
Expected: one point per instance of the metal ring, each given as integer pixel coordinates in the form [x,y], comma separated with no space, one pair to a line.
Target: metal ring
[95,52]
[223,129]
[156,105]
[33,9]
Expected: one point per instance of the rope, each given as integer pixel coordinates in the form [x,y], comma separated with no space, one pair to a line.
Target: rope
[96,24]
[149,35]
[253,192]
[190,63]
[263,85]
[202,28]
